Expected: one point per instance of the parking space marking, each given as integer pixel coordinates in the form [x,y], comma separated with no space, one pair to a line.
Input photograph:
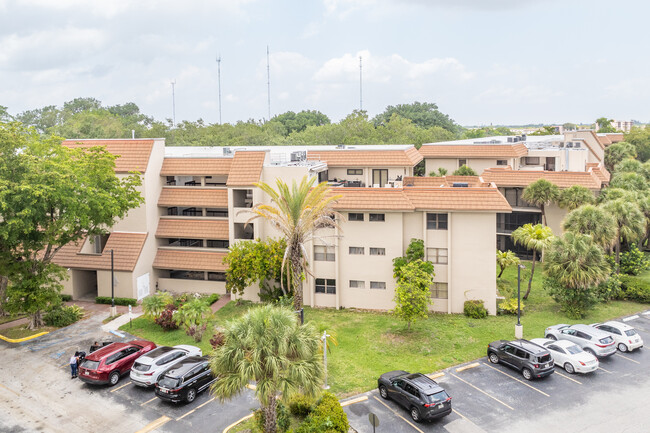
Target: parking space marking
[9,389]
[354,400]
[392,410]
[237,422]
[120,387]
[520,381]
[627,319]
[567,377]
[606,371]
[154,425]
[625,357]
[463,416]
[435,376]
[467,367]
[195,409]
[148,401]
[480,390]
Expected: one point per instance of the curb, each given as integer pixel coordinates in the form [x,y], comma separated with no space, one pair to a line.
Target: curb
[20,340]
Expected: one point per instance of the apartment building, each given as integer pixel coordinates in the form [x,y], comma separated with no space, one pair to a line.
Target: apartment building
[198,201]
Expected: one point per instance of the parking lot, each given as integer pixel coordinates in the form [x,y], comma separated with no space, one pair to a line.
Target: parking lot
[488,397]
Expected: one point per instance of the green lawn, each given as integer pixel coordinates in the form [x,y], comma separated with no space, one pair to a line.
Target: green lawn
[371,343]
[11,318]
[23,331]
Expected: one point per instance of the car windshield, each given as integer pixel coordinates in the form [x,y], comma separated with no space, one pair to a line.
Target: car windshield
[90,365]
[630,332]
[606,340]
[169,382]
[573,350]
[141,367]
[437,397]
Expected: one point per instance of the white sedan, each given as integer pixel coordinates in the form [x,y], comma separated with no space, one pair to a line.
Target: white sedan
[625,336]
[569,355]
[148,368]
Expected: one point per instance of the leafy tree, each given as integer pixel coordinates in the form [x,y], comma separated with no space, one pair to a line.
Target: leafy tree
[440,173]
[297,212]
[51,195]
[268,346]
[153,305]
[422,114]
[545,130]
[577,265]
[533,237]
[43,119]
[541,193]
[415,251]
[575,196]
[593,221]
[465,171]
[79,105]
[603,124]
[413,292]
[487,131]
[630,223]
[251,262]
[506,259]
[617,152]
[298,122]
[4,114]
[640,139]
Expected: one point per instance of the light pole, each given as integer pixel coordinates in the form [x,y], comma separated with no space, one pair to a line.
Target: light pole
[324,338]
[519,329]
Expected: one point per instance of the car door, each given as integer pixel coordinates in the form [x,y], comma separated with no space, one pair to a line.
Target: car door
[583,339]
[129,355]
[205,376]
[520,358]
[570,334]
[558,354]
[507,354]
[411,396]
[396,390]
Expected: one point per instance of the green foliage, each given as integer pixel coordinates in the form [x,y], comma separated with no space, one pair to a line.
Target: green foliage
[283,419]
[618,152]
[118,301]
[327,416]
[166,319]
[413,293]
[212,298]
[465,171]
[541,193]
[486,131]
[634,261]
[576,261]
[441,172]
[156,303]
[63,316]
[505,259]
[545,130]
[300,405]
[65,298]
[610,288]
[509,306]
[193,313]
[640,139]
[423,114]
[629,181]
[298,122]
[635,289]
[593,221]
[536,238]
[574,302]
[415,251]
[575,196]
[604,125]
[475,309]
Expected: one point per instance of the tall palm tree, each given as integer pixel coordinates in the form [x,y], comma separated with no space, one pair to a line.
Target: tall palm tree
[576,261]
[297,213]
[644,207]
[541,193]
[575,196]
[534,237]
[630,223]
[505,259]
[593,221]
[268,346]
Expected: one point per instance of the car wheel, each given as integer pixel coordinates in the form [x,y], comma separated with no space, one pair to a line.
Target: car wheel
[622,347]
[528,375]
[415,414]
[191,395]
[113,378]
[568,367]
[383,392]
[551,337]
[590,351]
[494,358]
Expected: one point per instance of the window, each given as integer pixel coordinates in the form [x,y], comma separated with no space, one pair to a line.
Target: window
[357,250]
[324,253]
[439,291]
[462,162]
[187,275]
[437,255]
[355,216]
[355,171]
[502,162]
[325,286]
[216,276]
[436,221]
[376,217]
[381,285]
[531,160]
[217,243]
[377,251]
[357,284]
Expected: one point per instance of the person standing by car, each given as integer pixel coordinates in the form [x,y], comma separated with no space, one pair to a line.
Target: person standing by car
[74,359]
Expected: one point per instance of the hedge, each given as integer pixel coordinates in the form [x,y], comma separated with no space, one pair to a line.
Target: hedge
[118,301]
[635,289]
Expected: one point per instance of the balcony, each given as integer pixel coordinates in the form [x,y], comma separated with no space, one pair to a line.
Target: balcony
[197,212]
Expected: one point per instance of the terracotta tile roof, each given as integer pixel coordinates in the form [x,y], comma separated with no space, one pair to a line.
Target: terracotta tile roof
[126,251]
[616,137]
[429,181]
[201,229]
[600,171]
[246,168]
[523,178]
[510,150]
[189,260]
[371,199]
[192,196]
[366,158]
[604,140]
[196,166]
[133,155]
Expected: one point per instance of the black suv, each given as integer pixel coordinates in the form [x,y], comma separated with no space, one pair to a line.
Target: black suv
[423,397]
[532,360]
[185,379]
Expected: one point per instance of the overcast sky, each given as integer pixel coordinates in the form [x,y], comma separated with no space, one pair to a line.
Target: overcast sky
[481,61]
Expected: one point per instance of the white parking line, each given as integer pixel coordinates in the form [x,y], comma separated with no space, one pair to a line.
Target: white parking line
[567,377]
[627,319]
[480,390]
[625,357]
[520,381]
[392,410]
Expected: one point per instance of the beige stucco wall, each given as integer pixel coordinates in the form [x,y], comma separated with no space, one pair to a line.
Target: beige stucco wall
[123,289]
[554,217]
[193,286]
[341,173]
[476,164]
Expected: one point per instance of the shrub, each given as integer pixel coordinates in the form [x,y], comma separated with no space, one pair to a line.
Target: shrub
[574,302]
[196,331]
[635,289]
[610,289]
[283,419]
[213,298]
[154,305]
[118,301]
[217,340]
[166,319]
[63,316]
[509,306]
[66,298]
[633,262]
[193,312]
[475,309]
[327,416]
[300,405]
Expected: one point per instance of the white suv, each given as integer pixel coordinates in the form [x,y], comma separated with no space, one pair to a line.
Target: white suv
[147,369]
[598,343]
[625,336]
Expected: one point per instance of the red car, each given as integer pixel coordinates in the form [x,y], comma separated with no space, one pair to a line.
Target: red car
[107,364]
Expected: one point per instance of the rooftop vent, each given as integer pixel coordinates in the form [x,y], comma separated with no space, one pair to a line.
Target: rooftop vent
[515,139]
[510,140]
[227,151]
[300,155]
[460,185]
[523,137]
[340,146]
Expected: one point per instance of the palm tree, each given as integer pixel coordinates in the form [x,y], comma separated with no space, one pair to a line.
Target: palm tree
[541,193]
[593,221]
[533,237]
[618,152]
[575,196]
[644,207]
[505,259]
[629,181]
[576,261]
[630,223]
[297,213]
[268,346]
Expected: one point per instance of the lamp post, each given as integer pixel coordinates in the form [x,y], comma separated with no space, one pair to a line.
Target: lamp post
[519,329]
[324,338]
[113,308]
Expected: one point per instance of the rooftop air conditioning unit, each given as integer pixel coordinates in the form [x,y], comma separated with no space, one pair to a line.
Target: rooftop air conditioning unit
[515,139]
[509,139]
[300,155]
[227,151]
[340,146]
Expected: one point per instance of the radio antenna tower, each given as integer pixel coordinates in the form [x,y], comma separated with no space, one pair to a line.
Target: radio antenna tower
[360,85]
[219,81]
[173,103]
[268,79]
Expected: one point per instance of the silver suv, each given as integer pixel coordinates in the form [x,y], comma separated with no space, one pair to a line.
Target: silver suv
[592,340]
